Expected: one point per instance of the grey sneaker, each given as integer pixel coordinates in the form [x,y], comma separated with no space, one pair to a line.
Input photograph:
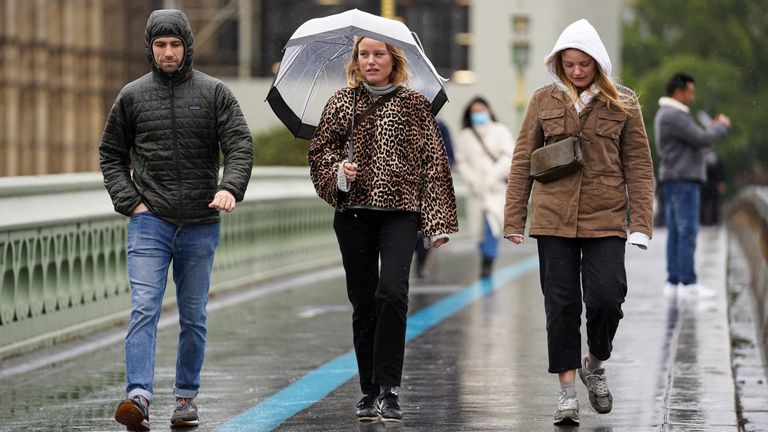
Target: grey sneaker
[600,399]
[567,410]
[185,413]
[133,413]
[366,411]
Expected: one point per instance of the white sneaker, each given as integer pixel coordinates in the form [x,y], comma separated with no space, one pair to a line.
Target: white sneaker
[697,290]
[670,289]
[567,410]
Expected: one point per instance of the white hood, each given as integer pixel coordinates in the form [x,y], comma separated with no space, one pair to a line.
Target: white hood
[582,36]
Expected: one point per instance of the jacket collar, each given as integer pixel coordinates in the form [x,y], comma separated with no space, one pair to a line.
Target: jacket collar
[665,101]
[560,95]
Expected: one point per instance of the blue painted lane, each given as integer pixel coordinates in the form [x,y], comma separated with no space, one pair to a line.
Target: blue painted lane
[316,385]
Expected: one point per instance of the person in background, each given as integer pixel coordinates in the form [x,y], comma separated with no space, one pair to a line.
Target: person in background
[160,158]
[581,221]
[422,247]
[483,153]
[398,183]
[713,190]
[681,145]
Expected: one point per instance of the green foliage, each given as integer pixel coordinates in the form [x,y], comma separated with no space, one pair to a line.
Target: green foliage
[723,44]
[279,147]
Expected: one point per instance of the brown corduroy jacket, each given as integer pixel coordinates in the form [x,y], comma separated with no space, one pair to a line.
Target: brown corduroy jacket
[612,194]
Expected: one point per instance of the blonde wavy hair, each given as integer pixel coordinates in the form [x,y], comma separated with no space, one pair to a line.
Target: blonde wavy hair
[398,76]
[608,91]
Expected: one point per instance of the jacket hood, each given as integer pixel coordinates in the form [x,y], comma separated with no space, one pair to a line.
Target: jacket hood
[582,36]
[170,22]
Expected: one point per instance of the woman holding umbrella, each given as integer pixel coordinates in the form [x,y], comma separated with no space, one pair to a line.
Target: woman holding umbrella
[377,157]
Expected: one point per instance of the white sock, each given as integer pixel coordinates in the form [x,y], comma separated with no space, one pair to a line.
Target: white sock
[570,389]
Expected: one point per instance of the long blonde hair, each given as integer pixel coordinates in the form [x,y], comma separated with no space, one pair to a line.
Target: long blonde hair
[608,91]
[398,76]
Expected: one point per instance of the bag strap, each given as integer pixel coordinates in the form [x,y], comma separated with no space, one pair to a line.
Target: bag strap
[357,119]
[482,144]
[584,122]
[351,150]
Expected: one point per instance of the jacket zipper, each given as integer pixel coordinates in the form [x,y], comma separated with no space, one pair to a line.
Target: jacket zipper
[176,157]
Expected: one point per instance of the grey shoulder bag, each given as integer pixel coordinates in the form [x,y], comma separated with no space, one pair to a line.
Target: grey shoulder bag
[559,159]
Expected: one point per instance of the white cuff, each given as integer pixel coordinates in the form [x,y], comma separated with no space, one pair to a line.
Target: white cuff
[428,241]
[509,236]
[639,239]
[341,179]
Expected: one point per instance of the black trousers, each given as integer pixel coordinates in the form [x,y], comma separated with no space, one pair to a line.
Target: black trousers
[379,297]
[599,263]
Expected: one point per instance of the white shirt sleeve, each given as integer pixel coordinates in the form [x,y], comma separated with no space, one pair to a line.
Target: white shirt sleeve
[639,239]
[428,241]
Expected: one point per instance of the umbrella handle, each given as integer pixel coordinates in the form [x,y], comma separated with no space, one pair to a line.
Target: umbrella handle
[351,140]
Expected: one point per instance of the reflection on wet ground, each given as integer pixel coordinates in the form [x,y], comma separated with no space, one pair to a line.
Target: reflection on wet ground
[481,369]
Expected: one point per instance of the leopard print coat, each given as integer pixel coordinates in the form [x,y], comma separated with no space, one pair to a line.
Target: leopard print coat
[401,158]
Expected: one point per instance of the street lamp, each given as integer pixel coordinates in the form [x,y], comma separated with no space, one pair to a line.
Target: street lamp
[520,52]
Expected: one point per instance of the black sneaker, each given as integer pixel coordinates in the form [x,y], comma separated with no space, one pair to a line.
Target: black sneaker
[133,413]
[185,413]
[366,411]
[388,406]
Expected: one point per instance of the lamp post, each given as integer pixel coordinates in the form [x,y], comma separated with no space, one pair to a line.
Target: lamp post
[388,8]
[519,53]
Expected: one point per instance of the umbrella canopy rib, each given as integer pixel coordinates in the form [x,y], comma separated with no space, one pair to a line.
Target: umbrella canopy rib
[317,73]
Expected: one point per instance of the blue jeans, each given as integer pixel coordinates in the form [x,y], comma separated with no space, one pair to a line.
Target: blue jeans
[489,245]
[152,244]
[681,211]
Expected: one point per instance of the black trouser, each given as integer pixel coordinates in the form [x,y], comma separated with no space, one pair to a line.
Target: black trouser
[379,298]
[600,262]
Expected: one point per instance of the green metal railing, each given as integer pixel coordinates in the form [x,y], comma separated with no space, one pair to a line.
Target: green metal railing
[66,276]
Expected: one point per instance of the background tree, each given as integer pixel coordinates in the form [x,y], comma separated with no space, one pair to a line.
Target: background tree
[724,45]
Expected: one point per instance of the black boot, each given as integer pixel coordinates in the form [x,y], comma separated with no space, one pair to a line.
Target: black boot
[486,267]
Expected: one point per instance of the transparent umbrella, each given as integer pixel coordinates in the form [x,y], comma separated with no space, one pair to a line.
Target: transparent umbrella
[312,68]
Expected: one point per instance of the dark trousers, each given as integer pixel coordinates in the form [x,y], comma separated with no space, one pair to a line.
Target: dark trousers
[599,263]
[379,297]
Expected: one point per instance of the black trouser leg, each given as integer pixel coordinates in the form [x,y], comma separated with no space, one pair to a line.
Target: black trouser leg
[600,262]
[397,239]
[559,272]
[604,279]
[379,299]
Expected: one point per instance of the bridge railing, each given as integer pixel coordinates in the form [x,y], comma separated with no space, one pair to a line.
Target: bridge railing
[748,219]
[63,258]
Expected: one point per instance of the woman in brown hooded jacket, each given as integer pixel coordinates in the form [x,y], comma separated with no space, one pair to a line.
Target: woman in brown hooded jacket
[581,221]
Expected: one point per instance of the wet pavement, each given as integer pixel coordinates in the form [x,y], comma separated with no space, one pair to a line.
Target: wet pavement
[478,368]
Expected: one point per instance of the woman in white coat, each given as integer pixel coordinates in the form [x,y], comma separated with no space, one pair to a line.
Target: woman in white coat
[483,154]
